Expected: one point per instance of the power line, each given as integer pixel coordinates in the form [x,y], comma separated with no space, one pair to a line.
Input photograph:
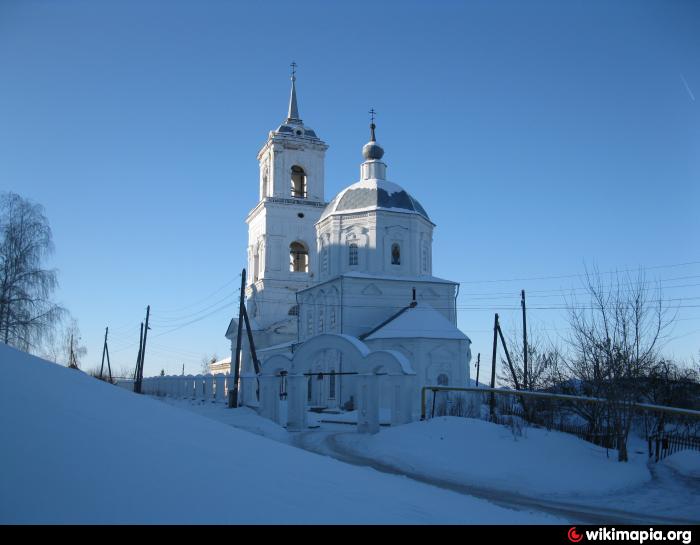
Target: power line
[223,307]
[170,320]
[561,292]
[579,275]
[177,310]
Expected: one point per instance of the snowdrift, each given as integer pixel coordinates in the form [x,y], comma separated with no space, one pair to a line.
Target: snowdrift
[480,453]
[77,450]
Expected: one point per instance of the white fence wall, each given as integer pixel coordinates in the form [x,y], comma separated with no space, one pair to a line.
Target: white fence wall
[212,388]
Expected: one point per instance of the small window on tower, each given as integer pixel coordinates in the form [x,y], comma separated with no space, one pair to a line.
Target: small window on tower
[298,257]
[298,182]
[352,254]
[395,254]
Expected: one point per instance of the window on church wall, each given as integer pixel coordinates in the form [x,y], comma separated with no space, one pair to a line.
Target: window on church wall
[298,182]
[395,254]
[425,257]
[298,257]
[294,311]
[443,379]
[321,319]
[353,254]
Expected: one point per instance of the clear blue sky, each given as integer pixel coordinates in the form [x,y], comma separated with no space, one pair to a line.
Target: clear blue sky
[539,136]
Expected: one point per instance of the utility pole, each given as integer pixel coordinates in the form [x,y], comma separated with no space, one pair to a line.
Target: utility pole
[492,402]
[525,378]
[105,351]
[138,363]
[510,363]
[233,392]
[478,362]
[143,347]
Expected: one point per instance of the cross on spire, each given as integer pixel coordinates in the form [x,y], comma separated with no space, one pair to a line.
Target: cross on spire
[372,126]
[294,69]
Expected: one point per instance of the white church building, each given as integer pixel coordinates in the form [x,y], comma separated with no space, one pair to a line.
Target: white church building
[339,292]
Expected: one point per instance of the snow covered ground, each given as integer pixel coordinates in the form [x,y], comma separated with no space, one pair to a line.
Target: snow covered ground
[76,450]
[486,460]
[685,462]
[483,454]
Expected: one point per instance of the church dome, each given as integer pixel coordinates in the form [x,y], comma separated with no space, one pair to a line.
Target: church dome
[373,194]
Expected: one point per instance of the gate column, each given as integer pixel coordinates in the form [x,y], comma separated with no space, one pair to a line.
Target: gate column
[296,402]
[367,403]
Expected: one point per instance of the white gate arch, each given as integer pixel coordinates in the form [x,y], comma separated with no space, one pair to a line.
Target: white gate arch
[371,366]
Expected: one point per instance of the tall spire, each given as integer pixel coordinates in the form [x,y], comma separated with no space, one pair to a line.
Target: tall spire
[293,115]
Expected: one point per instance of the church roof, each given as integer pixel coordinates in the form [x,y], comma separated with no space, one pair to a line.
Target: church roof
[374,194]
[419,321]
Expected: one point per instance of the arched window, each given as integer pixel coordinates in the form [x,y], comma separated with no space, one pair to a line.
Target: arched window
[298,182]
[294,311]
[395,254]
[443,379]
[298,257]
[352,254]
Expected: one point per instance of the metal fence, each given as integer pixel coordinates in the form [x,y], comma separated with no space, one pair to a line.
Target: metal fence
[560,412]
[662,445]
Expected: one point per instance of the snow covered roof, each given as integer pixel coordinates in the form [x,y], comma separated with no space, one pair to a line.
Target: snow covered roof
[358,274]
[373,194]
[419,321]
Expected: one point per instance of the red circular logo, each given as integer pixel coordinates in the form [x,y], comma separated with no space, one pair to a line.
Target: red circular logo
[573,535]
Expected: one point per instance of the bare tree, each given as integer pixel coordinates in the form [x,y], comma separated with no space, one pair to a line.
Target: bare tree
[544,363]
[544,374]
[27,313]
[206,362]
[62,341]
[615,340]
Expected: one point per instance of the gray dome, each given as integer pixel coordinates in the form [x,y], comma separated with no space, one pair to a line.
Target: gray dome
[369,195]
[372,150]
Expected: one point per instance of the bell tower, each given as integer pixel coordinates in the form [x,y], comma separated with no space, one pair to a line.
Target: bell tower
[281,227]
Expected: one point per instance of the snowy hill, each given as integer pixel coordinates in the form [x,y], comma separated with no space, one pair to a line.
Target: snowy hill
[79,450]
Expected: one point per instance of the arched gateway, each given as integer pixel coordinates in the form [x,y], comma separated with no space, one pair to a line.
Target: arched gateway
[355,374]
